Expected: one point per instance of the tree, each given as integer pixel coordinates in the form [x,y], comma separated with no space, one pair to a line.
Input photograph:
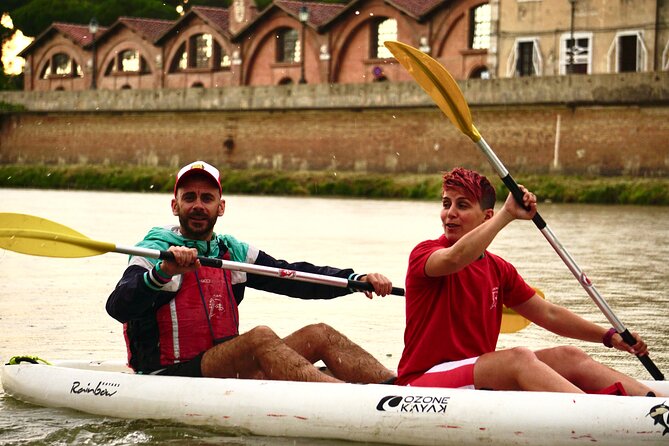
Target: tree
[35,16]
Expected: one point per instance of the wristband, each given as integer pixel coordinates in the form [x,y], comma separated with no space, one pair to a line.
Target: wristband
[608,337]
[162,273]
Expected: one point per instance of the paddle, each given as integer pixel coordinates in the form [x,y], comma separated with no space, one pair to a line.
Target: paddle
[442,88]
[37,236]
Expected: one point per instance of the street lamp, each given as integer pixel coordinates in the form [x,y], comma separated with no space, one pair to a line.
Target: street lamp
[304,17]
[93,28]
[570,66]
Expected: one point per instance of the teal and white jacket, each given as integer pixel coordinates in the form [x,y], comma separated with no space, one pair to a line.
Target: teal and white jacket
[137,299]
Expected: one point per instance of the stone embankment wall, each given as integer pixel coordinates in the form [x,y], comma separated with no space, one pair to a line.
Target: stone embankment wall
[601,124]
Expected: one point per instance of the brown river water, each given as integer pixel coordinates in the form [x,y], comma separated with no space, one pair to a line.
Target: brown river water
[54,307]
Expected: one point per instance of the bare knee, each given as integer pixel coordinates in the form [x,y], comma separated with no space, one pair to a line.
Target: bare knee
[558,357]
[521,355]
[319,329]
[261,336]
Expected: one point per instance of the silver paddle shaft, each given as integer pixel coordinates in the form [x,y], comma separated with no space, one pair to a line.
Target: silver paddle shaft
[553,240]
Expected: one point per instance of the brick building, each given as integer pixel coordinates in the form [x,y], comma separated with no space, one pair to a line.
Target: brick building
[548,38]
[311,42]
[239,45]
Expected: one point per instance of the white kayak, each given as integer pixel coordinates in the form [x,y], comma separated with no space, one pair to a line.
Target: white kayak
[368,413]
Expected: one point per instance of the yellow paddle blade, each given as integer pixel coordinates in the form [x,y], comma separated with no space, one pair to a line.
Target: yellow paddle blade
[37,236]
[438,83]
[25,221]
[512,321]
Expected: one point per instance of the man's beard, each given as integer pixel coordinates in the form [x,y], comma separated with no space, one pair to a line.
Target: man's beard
[200,232]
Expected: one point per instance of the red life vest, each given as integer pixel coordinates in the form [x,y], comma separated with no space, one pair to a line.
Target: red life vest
[183,325]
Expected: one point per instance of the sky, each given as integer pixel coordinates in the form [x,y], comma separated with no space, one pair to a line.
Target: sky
[13,64]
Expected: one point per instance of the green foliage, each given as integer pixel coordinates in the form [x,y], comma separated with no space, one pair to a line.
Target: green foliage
[35,16]
[553,188]
[107,11]
[10,82]
[7,107]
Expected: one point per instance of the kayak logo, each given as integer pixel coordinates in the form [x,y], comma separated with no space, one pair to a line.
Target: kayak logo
[413,404]
[101,389]
[660,414]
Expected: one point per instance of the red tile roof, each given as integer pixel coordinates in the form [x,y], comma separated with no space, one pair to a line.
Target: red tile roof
[217,17]
[149,29]
[78,33]
[416,8]
[319,13]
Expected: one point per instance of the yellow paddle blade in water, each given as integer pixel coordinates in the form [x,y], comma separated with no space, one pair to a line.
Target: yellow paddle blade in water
[438,83]
[37,236]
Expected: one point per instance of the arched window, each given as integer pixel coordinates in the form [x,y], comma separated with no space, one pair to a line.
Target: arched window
[197,85]
[382,30]
[287,46]
[61,65]
[126,87]
[200,51]
[127,61]
[479,27]
[285,81]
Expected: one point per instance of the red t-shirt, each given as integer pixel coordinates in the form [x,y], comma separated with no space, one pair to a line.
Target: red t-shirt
[457,316]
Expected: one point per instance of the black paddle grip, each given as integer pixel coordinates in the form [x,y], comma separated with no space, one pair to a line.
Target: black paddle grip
[366,286]
[645,359]
[204,261]
[513,187]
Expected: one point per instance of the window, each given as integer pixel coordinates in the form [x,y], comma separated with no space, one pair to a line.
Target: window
[628,52]
[201,46]
[127,61]
[200,51]
[180,61]
[130,61]
[221,58]
[382,30]
[479,27]
[287,46]
[581,51]
[525,59]
[524,65]
[61,65]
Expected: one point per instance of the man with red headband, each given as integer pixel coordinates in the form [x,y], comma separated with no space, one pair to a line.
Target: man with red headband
[180,318]
[455,290]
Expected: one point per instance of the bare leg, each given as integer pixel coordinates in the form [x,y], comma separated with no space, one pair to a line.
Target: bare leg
[579,368]
[345,359]
[259,354]
[518,369]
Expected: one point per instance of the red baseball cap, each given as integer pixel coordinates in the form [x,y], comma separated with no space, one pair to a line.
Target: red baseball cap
[201,168]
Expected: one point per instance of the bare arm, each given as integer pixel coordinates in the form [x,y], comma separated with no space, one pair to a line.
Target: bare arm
[563,322]
[470,247]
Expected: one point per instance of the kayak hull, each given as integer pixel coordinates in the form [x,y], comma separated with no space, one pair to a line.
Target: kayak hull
[370,413]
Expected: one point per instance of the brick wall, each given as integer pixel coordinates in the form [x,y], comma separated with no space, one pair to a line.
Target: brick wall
[609,125]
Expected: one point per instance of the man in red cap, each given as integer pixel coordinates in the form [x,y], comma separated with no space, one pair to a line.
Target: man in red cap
[181,318]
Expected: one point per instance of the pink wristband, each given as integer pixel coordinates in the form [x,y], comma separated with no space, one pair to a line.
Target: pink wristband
[608,336]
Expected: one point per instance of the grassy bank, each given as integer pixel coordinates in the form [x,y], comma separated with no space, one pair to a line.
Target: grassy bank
[555,188]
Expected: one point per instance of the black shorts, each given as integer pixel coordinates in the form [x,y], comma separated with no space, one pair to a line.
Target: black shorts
[190,368]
